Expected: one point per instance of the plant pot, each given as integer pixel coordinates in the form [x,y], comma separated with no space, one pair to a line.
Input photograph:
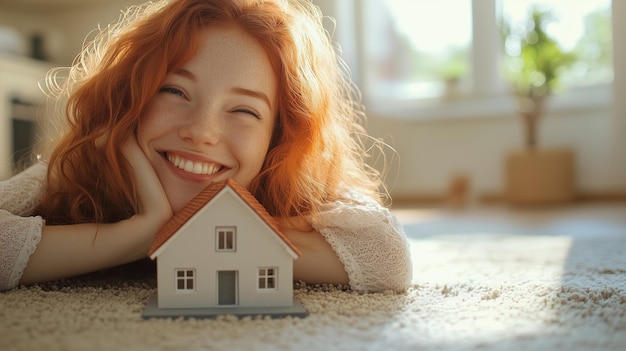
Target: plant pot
[540,176]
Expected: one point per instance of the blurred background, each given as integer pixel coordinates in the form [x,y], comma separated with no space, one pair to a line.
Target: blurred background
[451,85]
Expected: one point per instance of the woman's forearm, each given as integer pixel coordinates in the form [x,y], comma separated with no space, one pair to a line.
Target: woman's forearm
[319,262]
[69,250]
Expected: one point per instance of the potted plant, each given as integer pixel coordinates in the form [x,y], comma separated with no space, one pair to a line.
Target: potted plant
[451,72]
[534,64]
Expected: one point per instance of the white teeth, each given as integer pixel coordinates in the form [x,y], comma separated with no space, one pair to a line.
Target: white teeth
[197,168]
[193,167]
[188,166]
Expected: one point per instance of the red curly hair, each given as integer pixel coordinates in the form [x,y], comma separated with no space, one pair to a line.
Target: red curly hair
[316,148]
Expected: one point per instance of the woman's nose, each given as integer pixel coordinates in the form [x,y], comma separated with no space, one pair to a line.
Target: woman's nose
[202,127]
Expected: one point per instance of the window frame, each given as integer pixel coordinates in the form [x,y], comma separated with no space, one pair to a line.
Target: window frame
[218,236]
[185,279]
[488,95]
[266,277]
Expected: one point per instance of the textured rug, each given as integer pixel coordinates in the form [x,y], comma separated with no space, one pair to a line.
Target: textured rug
[473,291]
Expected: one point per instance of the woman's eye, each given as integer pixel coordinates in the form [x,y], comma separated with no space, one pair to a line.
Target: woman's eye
[172,90]
[248,111]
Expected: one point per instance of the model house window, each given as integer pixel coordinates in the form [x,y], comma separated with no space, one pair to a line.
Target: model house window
[267,278]
[185,279]
[226,238]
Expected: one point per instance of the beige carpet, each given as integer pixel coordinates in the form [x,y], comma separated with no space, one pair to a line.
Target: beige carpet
[472,292]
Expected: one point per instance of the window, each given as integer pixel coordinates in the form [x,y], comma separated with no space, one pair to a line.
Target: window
[185,279]
[421,56]
[226,239]
[267,278]
[582,28]
[404,57]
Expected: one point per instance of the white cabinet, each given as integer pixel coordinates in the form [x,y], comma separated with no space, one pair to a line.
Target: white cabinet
[21,107]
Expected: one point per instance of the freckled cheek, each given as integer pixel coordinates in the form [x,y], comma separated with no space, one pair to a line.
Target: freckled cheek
[252,151]
[144,132]
[152,125]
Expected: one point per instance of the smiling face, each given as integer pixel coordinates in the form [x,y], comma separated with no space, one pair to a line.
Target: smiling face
[212,119]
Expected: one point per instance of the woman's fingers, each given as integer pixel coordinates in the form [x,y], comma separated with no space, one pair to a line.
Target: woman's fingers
[152,197]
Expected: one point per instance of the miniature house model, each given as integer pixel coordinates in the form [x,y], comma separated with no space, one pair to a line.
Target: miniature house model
[223,254]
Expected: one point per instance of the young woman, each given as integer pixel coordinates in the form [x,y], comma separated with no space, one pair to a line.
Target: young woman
[184,93]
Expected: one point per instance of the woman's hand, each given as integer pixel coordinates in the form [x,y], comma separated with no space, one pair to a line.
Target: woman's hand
[69,250]
[154,207]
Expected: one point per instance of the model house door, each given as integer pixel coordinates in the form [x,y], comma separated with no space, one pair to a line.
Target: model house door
[227,288]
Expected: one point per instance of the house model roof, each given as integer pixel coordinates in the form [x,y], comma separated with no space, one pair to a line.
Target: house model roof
[203,198]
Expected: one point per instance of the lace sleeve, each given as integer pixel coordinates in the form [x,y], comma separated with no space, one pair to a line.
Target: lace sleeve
[21,193]
[19,237]
[19,234]
[369,241]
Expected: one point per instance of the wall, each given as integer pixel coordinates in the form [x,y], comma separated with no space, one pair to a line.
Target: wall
[432,152]
[64,29]
[618,122]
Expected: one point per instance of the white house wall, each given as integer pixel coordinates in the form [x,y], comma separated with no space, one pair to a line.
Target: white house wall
[257,246]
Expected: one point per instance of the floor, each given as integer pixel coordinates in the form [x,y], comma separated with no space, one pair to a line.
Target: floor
[607,219]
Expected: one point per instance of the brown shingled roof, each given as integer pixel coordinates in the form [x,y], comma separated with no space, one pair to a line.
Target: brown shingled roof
[203,198]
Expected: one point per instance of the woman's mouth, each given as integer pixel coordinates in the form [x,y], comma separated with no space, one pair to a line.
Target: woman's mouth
[195,167]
